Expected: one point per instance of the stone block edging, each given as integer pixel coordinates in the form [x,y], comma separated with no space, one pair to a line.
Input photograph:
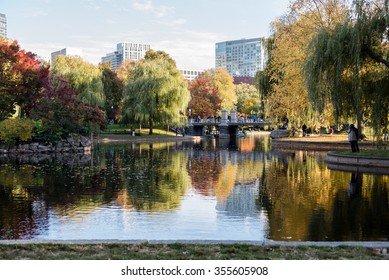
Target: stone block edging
[74,143]
[357,160]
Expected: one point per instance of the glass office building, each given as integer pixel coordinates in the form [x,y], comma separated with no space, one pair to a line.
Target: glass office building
[241,58]
[126,51]
[3,25]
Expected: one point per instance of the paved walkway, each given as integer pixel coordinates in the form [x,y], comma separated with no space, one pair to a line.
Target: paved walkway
[326,142]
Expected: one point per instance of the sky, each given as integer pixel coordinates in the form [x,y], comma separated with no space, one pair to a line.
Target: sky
[185,29]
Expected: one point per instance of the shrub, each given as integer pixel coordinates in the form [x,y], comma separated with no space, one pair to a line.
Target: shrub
[14,130]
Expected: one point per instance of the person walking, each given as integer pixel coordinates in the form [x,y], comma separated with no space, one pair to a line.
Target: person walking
[353,138]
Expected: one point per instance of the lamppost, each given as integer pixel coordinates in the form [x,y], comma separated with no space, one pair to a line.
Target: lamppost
[190,115]
[233,112]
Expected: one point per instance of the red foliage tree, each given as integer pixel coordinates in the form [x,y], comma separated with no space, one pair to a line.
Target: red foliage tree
[60,112]
[205,98]
[21,76]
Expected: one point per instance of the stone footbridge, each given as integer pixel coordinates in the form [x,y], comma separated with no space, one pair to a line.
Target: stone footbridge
[226,127]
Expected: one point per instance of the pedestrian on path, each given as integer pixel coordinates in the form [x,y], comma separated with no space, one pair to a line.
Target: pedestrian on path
[353,138]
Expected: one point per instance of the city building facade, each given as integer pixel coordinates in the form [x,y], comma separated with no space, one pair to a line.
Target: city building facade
[65,51]
[126,51]
[3,25]
[241,58]
[190,75]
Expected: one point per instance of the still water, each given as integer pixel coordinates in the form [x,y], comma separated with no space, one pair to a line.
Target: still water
[207,189]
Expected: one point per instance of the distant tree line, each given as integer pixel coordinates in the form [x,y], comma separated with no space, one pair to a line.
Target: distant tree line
[74,96]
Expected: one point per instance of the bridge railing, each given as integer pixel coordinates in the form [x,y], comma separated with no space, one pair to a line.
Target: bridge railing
[218,121]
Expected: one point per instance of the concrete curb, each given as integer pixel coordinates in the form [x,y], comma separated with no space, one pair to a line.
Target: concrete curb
[365,161]
[367,244]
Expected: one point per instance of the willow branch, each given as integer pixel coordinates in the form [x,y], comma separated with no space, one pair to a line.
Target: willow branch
[376,57]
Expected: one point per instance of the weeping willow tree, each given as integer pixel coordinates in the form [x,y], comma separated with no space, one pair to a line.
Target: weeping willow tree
[349,67]
[155,93]
[283,81]
[262,83]
[84,78]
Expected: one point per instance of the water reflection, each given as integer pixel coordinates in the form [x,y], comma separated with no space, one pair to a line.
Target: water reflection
[355,185]
[206,189]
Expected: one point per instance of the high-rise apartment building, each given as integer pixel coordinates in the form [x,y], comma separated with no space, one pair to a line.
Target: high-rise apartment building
[241,58]
[3,25]
[190,75]
[66,51]
[126,51]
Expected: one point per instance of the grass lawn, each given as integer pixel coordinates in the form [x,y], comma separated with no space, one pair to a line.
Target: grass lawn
[146,251]
[117,131]
[366,153]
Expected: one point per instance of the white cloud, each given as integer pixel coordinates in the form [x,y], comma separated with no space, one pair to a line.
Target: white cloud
[191,50]
[176,22]
[38,13]
[148,7]
[91,5]
[110,21]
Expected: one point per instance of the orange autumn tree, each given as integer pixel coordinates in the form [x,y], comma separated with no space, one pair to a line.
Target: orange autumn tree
[205,100]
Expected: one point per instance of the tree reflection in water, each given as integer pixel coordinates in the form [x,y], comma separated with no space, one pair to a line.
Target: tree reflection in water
[292,192]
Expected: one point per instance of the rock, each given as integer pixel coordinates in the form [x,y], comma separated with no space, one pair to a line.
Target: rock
[4,149]
[43,149]
[85,142]
[23,147]
[73,143]
[70,140]
[280,133]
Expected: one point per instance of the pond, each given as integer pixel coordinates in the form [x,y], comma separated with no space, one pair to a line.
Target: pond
[206,189]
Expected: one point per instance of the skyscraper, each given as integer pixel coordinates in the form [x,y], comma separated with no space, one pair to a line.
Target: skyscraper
[126,51]
[3,25]
[241,58]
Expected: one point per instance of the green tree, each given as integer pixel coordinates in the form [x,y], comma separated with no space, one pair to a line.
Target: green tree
[84,77]
[348,65]
[124,70]
[160,55]
[248,99]
[113,91]
[262,83]
[155,93]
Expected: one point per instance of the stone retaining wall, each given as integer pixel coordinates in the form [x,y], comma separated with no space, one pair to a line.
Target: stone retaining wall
[74,143]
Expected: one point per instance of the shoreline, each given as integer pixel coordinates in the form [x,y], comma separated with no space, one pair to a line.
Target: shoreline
[266,242]
[115,138]
[349,163]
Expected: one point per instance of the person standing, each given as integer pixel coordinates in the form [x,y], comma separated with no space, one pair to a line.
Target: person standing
[353,138]
[304,130]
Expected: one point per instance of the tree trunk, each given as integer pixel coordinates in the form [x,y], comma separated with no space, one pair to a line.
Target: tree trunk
[151,126]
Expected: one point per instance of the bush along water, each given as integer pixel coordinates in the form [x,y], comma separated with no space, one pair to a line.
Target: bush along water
[27,137]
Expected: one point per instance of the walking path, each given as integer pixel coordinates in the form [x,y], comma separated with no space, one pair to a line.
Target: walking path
[320,142]
[351,163]
[367,244]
